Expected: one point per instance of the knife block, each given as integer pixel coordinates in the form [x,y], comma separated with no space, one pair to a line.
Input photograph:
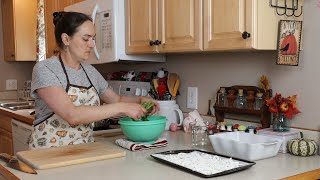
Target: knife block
[263,113]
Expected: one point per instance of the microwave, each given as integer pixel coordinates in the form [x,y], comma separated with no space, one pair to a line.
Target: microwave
[109,19]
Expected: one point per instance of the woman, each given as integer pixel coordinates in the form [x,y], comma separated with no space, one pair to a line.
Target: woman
[68,91]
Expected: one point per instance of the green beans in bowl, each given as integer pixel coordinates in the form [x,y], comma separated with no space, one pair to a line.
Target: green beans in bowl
[143,131]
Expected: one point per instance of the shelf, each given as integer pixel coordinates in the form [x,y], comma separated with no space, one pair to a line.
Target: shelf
[238,111]
[264,114]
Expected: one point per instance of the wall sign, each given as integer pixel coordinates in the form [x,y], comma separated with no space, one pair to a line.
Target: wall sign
[289,40]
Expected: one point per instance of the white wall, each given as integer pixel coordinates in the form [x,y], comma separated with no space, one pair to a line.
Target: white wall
[303,80]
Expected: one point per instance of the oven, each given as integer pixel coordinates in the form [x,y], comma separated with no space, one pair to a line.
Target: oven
[125,88]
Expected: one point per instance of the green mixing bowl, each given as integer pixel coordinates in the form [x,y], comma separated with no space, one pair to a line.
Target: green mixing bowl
[143,131]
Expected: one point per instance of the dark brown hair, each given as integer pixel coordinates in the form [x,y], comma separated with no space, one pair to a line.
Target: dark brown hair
[67,22]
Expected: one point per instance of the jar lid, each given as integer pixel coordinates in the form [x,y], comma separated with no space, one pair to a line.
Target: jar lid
[259,95]
[240,91]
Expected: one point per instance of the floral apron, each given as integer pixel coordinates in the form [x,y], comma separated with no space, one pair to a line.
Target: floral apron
[54,131]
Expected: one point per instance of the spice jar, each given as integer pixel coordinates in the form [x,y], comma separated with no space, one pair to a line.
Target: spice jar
[231,98]
[258,101]
[250,99]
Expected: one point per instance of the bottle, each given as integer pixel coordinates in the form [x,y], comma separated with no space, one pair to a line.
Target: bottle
[231,98]
[250,100]
[222,98]
[259,101]
[241,102]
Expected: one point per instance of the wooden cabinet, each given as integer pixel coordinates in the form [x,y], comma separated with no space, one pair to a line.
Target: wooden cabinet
[6,142]
[227,25]
[52,6]
[19,22]
[163,26]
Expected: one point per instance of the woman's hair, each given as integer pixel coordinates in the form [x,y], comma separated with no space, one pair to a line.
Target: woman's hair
[67,22]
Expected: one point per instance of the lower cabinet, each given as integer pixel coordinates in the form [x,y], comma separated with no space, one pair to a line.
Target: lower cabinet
[6,142]
[6,139]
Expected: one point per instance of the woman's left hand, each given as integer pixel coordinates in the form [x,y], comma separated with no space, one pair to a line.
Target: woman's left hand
[155,107]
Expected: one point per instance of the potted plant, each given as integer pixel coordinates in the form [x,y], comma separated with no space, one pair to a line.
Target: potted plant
[283,109]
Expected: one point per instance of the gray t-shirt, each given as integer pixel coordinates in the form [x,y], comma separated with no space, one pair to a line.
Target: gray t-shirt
[50,73]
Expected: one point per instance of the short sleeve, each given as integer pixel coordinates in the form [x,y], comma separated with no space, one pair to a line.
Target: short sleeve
[42,77]
[101,83]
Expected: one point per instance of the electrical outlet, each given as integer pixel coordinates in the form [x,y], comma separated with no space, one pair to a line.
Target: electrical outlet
[192,98]
[11,84]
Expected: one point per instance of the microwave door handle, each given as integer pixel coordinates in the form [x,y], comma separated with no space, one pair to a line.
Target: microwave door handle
[93,15]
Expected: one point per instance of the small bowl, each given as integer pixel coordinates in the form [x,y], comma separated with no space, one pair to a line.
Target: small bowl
[143,131]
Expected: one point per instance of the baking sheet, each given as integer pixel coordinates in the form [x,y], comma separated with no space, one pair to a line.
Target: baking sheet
[244,163]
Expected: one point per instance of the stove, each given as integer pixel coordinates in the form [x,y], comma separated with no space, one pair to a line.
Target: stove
[125,88]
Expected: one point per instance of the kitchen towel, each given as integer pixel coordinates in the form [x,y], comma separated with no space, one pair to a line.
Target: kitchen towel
[134,146]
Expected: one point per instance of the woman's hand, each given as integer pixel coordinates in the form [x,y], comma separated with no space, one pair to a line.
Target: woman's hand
[133,110]
[155,107]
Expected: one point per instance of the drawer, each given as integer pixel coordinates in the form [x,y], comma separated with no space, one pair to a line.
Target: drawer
[5,122]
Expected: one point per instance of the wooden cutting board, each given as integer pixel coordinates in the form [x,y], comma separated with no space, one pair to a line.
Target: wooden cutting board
[69,155]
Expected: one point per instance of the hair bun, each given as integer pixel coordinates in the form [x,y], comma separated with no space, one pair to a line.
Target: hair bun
[57,17]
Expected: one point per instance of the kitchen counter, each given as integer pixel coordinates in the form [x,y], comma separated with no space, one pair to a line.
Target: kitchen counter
[139,165]
[22,115]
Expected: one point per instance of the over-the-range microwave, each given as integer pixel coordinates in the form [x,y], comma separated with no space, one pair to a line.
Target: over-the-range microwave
[110,24]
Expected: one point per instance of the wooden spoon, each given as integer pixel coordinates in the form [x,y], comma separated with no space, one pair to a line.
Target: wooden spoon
[172,78]
[175,89]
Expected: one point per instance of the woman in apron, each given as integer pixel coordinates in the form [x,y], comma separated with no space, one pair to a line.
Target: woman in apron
[68,91]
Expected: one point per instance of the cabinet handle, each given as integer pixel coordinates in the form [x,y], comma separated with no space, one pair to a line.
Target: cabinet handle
[156,42]
[12,55]
[246,35]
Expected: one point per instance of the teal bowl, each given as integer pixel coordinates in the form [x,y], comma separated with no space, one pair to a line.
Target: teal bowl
[143,131]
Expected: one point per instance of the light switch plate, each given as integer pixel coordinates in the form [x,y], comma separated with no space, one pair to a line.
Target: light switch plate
[192,98]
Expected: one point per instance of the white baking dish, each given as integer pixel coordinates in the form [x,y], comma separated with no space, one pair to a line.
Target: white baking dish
[245,146]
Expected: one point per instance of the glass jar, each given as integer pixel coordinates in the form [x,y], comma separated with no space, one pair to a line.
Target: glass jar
[259,101]
[231,98]
[250,99]
[241,102]
[222,98]
[280,123]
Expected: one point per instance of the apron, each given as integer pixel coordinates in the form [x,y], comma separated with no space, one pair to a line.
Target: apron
[54,131]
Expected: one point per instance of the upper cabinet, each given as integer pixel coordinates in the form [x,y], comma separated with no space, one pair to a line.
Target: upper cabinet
[52,6]
[163,26]
[196,25]
[240,24]
[19,24]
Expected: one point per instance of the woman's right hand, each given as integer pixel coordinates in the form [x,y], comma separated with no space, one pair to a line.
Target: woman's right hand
[133,110]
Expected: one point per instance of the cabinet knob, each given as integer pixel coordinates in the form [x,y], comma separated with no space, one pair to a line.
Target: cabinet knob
[12,55]
[156,42]
[246,35]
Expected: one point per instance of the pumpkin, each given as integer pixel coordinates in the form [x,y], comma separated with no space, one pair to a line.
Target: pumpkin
[302,147]
[289,45]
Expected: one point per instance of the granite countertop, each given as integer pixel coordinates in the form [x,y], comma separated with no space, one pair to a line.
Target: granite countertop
[139,165]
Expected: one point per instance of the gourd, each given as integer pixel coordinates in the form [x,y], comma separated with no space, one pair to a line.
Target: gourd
[302,147]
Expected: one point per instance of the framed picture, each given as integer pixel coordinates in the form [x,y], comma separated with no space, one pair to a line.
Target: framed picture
[289,40]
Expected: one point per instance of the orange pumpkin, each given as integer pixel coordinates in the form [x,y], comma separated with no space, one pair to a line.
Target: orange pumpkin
[289,45]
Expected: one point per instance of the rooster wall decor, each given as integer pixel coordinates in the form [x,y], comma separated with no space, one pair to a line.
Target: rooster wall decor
[289,42]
